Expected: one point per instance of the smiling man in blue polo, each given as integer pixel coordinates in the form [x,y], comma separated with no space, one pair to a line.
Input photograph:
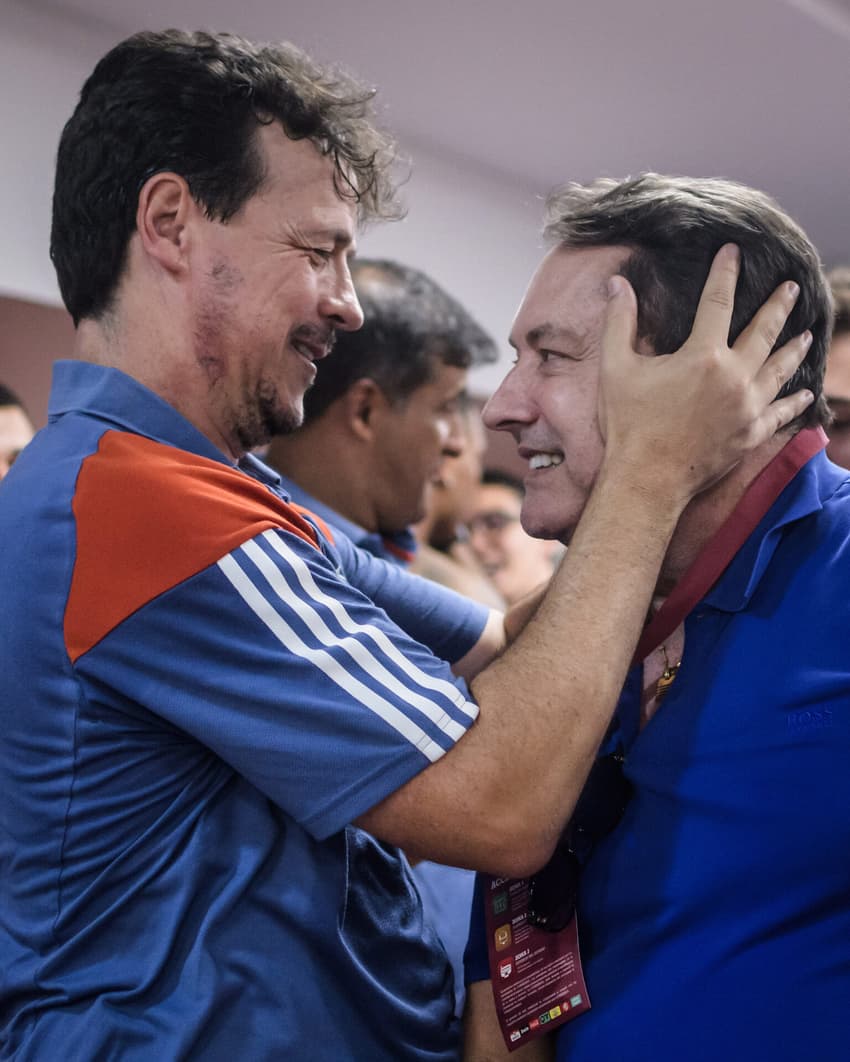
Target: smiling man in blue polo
[713,918]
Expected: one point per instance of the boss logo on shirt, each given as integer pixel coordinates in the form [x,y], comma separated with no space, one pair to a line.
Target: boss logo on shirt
[810,719]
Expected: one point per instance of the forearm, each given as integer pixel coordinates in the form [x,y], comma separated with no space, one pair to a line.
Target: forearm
[557,686]
[547,701]
[482,1037]
[501,630]
[500,798]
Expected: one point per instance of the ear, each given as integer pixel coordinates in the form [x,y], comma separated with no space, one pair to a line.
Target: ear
[364,402]
[163,214]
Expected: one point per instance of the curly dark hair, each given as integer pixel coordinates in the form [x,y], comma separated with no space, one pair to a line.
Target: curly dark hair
[192,103]
[410,327]
[675,226]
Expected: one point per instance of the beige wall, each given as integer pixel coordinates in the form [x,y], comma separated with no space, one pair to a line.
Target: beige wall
[32,337]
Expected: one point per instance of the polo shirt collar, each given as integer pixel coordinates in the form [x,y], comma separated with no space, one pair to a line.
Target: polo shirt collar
[816,481]
[113,396]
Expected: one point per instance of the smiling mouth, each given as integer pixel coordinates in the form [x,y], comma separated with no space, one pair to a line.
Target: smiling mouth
[313,344]
[544,460]
[311,351]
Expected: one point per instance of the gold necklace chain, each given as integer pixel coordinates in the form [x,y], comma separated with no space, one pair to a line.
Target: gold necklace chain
[667,677]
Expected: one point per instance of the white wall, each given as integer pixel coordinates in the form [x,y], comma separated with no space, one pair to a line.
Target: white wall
[474,233]
[476,236]
[43,63]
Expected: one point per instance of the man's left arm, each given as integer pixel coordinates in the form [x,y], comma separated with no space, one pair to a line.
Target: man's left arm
[463,632]
[482,1037]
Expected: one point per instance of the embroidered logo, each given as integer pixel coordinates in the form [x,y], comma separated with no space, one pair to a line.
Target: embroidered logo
[810,719]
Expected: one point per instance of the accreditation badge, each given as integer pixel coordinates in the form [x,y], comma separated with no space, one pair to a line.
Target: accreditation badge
[537,977]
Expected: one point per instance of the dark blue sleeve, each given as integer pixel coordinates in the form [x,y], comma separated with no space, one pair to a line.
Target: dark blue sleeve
[446,622]
[476,961]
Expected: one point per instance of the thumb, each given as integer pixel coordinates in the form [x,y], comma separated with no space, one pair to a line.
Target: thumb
[619,332]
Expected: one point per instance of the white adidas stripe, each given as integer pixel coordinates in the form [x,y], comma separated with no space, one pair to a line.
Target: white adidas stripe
[359,653]
[384,644]
[323,660]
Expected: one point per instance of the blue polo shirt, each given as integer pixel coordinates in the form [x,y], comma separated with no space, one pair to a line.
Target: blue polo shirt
[715,920]
[198,695]
[399,548]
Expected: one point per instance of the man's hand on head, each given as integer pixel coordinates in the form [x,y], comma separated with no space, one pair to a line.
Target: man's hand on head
[685,420]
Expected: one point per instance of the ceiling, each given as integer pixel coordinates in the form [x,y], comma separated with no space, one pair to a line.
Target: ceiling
[548,90]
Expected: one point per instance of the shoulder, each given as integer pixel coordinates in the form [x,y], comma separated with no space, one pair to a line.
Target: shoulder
[149,516]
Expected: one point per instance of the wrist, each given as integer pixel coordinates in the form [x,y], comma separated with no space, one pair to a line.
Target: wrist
[660,490]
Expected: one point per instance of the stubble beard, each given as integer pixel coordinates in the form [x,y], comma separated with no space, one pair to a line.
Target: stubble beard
[263,416]
[259,414]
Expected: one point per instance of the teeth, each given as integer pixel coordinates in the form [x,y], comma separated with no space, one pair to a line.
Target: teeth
[545,460]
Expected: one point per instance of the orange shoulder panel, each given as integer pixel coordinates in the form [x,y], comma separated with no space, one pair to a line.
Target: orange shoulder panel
[150,516]
[317,520]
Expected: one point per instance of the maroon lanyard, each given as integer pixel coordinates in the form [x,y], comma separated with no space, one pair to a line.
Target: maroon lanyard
[713,559]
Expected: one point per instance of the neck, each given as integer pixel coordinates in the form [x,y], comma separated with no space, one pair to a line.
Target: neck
[707,512]
[332,474]
[149,342]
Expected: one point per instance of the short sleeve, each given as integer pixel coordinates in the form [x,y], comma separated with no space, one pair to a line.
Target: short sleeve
[279,666]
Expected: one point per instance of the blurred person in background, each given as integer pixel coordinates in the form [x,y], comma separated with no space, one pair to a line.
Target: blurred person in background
[514,561]
[836,384]
[386,411]
[16,429]
[443,553]
[385,419]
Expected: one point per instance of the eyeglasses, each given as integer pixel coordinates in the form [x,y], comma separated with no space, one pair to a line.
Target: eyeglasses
[553,890]
[490,522]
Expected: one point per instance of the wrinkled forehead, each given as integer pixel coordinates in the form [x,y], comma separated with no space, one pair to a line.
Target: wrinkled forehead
[567,294]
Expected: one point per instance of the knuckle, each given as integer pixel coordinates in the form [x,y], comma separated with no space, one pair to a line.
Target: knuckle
[780,376]
[768,332]
[715,363]
[719,297]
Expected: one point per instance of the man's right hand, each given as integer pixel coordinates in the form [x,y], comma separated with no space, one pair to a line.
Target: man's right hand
[684,420]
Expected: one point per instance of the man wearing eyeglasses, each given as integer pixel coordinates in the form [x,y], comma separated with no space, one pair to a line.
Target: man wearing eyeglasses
[516,562]
[707,857]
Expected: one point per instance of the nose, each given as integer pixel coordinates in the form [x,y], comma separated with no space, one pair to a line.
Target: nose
[340,304]
[511,403]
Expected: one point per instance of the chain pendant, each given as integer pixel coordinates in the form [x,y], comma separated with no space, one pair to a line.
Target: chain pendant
[666,680]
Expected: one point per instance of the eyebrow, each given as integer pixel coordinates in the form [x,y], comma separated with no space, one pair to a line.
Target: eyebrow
[338,237]
[548,332]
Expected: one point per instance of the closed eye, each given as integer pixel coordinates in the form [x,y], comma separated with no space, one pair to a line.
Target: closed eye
[319,256]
